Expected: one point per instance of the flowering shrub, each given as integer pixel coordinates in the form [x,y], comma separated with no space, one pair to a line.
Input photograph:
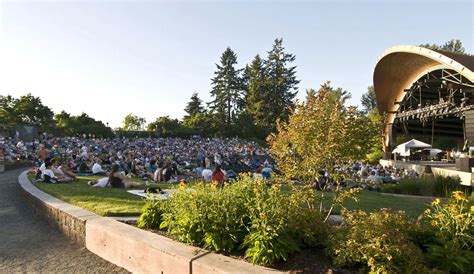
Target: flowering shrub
[379,241]
[453,223]
[266,222]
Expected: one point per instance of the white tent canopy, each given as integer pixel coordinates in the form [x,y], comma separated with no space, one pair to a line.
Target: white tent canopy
[404,149]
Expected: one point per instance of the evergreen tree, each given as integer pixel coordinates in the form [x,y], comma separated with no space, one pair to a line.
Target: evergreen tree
[227,91]
[283,84]
[194,106]
[368,100]
[257,92]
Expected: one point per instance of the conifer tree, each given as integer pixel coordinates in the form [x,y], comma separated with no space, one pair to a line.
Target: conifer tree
[257,92]
[283,83]
[227,90]
[194,106]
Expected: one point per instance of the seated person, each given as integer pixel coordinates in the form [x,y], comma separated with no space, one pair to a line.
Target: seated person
[206,174]
[198,170]
[97,168]
[218,176]
[267,172]
[258,173]
[373,178]
[158,175]
[63,167]
[47,175]
[59,174]
[115,180]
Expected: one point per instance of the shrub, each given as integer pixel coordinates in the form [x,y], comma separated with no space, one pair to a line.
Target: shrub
[379,241]
[304,216]
[268,240]
[425,186]
[267,222]
[453,223]
[151,215]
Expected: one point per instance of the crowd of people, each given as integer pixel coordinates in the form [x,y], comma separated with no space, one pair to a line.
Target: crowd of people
[367,176]
[159,159]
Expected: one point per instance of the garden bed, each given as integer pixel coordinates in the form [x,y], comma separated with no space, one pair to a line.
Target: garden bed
[309,260]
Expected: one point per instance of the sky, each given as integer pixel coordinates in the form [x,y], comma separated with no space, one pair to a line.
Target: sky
[112,58]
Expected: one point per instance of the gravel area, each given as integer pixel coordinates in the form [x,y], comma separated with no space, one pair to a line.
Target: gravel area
[28,244]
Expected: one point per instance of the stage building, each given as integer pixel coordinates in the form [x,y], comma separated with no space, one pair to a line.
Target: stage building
[425,93]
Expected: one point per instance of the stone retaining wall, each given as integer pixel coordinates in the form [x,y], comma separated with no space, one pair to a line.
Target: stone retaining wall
[132,248]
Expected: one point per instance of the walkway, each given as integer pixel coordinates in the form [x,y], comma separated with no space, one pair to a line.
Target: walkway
[28,244]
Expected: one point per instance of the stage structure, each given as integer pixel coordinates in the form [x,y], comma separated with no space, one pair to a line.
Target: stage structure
[423,92]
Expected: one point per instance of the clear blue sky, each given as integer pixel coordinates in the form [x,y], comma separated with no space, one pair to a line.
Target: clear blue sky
[111,58]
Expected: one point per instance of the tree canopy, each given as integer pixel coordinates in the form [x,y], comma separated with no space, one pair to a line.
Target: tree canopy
[133,123]
[320,132]
[453,45]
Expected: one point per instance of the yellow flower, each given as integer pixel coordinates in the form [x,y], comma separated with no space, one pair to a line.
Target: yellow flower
[214,185]
[436,202]
[458,195]
[427,211]
[182,186]
[460,218]
[472,209]
[276,186]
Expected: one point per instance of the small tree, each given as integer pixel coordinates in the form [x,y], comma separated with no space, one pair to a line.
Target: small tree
[319,135]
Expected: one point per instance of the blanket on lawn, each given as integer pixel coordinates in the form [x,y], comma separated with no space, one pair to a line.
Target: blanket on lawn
[154,196]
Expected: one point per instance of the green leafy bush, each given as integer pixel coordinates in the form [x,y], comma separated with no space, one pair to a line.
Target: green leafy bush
[379,241]
[425,186]
[151,215]
[268,223]
[453,224]
[268,240]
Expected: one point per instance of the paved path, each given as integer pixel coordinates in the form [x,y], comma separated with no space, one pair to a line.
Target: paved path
[28,244]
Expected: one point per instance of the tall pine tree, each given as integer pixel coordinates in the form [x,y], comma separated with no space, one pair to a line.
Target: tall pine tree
[257,92]
[227,91]
[283,84]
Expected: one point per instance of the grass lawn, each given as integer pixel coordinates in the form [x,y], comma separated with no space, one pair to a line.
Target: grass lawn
[372,201]
[102,201]
[118,202]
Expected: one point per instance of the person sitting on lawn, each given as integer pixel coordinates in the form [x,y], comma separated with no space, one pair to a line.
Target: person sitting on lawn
[62,178]
[115,180]
[158,175]
[63,167]
[206,174]
[97,168]
[218,175]
[198,170]
[47,175]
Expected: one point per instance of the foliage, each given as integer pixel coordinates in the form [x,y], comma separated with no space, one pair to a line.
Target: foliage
[226,91]
[164,126]
[320,132]
[453,223]
[151,215]
[267,222]
[133,123]
[368,100]
[282,83]
[257,94]
[68,125]
[453,45]
[27,109]
[378,240]
[193,107]
[268,240]
[425,186]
